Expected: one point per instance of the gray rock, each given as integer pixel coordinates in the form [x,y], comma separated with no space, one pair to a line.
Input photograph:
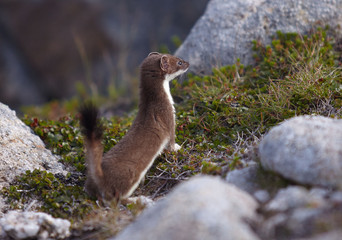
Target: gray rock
[294,197]
[202,208]
[299,222]
[305,149]
[21,150]
[34,225]
[336,197]
[296,212]
[256,181]
[301,214]
[262,196]
[322,192]
[227,28]
[269,227]
[245,179]
[331,235]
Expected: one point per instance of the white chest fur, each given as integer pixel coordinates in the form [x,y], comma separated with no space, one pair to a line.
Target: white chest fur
[166,84]
[166,87]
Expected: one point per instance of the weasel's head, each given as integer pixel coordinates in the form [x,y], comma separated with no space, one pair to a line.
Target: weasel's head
[164,66]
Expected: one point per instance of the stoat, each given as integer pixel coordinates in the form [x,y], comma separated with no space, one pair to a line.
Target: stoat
[117,173]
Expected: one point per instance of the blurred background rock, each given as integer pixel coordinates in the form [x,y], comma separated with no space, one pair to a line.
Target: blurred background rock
[54,50]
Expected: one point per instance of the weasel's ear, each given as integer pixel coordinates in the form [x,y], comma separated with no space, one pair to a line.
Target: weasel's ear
[153,53]
[164,63]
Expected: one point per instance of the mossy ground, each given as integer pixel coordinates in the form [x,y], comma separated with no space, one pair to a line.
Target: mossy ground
[220,118]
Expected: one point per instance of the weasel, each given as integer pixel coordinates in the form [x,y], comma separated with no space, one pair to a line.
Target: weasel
[118,173]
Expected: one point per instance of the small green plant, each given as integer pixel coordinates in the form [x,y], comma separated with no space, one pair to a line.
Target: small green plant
[295,75]
[62,137]
[210,168]
[61,196]
[176,43]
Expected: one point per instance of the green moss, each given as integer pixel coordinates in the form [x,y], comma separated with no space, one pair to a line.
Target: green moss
[271,181]
[61,197]
[210,168]
[62,137]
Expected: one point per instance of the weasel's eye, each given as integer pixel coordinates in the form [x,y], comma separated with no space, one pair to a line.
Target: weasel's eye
[180,63]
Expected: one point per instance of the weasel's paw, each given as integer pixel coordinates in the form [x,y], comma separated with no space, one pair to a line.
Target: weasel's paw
[145,201]
[176,147]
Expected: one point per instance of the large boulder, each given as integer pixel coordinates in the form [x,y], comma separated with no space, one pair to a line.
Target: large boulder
[226,30]
[305,149]
[201,208]
[21,150]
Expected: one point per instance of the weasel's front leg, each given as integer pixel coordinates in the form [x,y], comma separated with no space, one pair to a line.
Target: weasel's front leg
[173,146]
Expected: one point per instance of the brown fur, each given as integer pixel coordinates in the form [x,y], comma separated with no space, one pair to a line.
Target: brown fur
[119,171]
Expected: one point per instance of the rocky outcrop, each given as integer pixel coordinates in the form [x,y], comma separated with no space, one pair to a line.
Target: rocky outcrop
[202,208]
[227,28]
[21,150]
[31,225]
[305,149]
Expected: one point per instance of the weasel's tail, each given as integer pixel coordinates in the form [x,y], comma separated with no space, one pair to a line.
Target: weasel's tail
[92,131]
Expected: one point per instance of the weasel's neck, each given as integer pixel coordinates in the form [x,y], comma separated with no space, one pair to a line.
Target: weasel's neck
[166,87]
[155,99]
[158,92]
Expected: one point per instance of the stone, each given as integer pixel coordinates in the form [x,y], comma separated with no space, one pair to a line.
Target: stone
[262,196]
[331,235]
[294,197]
[305,149]
[245,179]
[296,212]
[268,228]
[34,225]
[301,220]
[322,192]
[256,181]
[21,150]
[226,30]
[202,208]
[336,197]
